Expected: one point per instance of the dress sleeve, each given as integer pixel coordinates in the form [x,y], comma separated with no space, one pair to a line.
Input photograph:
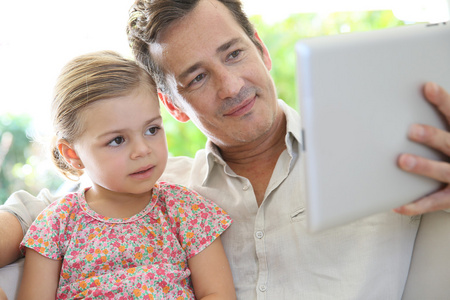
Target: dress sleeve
[200,221]
[47,233]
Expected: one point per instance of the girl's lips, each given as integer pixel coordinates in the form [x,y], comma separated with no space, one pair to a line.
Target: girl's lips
[143,173]
[242,109]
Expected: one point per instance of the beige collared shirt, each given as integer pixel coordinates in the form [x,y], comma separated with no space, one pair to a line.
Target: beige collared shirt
[270,251]
[272,255]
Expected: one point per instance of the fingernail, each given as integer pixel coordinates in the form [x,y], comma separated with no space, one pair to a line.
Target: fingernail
[409,162]
[417,131]
[433,88]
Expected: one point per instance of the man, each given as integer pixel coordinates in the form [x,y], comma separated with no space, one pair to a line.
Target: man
[212,68]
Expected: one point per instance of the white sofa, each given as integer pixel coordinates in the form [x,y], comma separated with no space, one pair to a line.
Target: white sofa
[10,278]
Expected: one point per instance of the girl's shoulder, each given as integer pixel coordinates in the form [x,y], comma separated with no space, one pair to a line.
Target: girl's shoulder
[52,229]
[180,199]
[65,205]
[172,191]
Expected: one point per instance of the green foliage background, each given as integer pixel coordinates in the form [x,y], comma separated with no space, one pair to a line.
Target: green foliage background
[23,164]
[25,167]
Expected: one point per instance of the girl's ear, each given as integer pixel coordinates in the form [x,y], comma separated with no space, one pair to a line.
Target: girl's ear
[70,155]
[172,108]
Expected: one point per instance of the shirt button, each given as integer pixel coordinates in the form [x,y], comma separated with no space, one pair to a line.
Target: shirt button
[245,187]
[259,234]
[263,288]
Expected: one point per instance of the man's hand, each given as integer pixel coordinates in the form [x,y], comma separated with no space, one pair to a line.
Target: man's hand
[439,140]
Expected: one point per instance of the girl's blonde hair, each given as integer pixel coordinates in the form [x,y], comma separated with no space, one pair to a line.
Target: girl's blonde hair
[84,80]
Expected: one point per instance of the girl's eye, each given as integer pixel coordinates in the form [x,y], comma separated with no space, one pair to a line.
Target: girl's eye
[153,130]
[116,141]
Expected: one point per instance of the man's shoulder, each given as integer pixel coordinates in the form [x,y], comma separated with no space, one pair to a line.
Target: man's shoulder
[179,169]
[179,162]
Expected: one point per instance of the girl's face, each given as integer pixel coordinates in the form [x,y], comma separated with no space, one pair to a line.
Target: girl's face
[123,146]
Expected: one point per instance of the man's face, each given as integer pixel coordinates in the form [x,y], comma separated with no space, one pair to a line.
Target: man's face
[219,79]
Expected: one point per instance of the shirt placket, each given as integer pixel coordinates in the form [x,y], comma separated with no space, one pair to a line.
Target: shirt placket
[261,253]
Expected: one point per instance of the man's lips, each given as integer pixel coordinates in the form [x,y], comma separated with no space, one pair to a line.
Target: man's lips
[242,109]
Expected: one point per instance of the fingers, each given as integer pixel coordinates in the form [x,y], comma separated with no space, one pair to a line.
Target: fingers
[439,97]
[437,170]
[437,201]
[433,137]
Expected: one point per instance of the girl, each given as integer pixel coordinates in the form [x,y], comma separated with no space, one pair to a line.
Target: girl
[127,236]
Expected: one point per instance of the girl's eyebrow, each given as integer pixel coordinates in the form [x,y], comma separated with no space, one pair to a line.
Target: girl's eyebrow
[118,131]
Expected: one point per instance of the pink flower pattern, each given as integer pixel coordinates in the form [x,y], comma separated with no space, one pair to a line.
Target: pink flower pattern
[142,257]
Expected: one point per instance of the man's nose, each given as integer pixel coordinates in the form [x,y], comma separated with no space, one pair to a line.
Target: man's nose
[229,82]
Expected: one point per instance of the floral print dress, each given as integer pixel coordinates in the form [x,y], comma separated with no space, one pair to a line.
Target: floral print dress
[141,257]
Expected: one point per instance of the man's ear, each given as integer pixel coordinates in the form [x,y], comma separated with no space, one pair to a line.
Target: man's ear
[172,108]
[265,53]
[70,155]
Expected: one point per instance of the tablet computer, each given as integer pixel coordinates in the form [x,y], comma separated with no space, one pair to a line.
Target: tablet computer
[359,93]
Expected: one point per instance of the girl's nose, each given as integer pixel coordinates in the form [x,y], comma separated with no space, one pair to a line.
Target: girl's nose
[141,148]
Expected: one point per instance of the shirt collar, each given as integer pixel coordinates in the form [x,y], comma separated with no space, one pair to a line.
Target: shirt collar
[292,139]
[293,128]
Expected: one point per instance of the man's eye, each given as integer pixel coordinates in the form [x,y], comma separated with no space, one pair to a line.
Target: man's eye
[116,141]
[153,130]
[235,53]
[198,78]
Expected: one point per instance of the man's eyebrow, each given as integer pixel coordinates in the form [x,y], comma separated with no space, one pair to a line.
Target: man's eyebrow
[195,66]
[190,70]
[227,45]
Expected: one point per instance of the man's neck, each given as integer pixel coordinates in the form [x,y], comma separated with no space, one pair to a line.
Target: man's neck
[256,161]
